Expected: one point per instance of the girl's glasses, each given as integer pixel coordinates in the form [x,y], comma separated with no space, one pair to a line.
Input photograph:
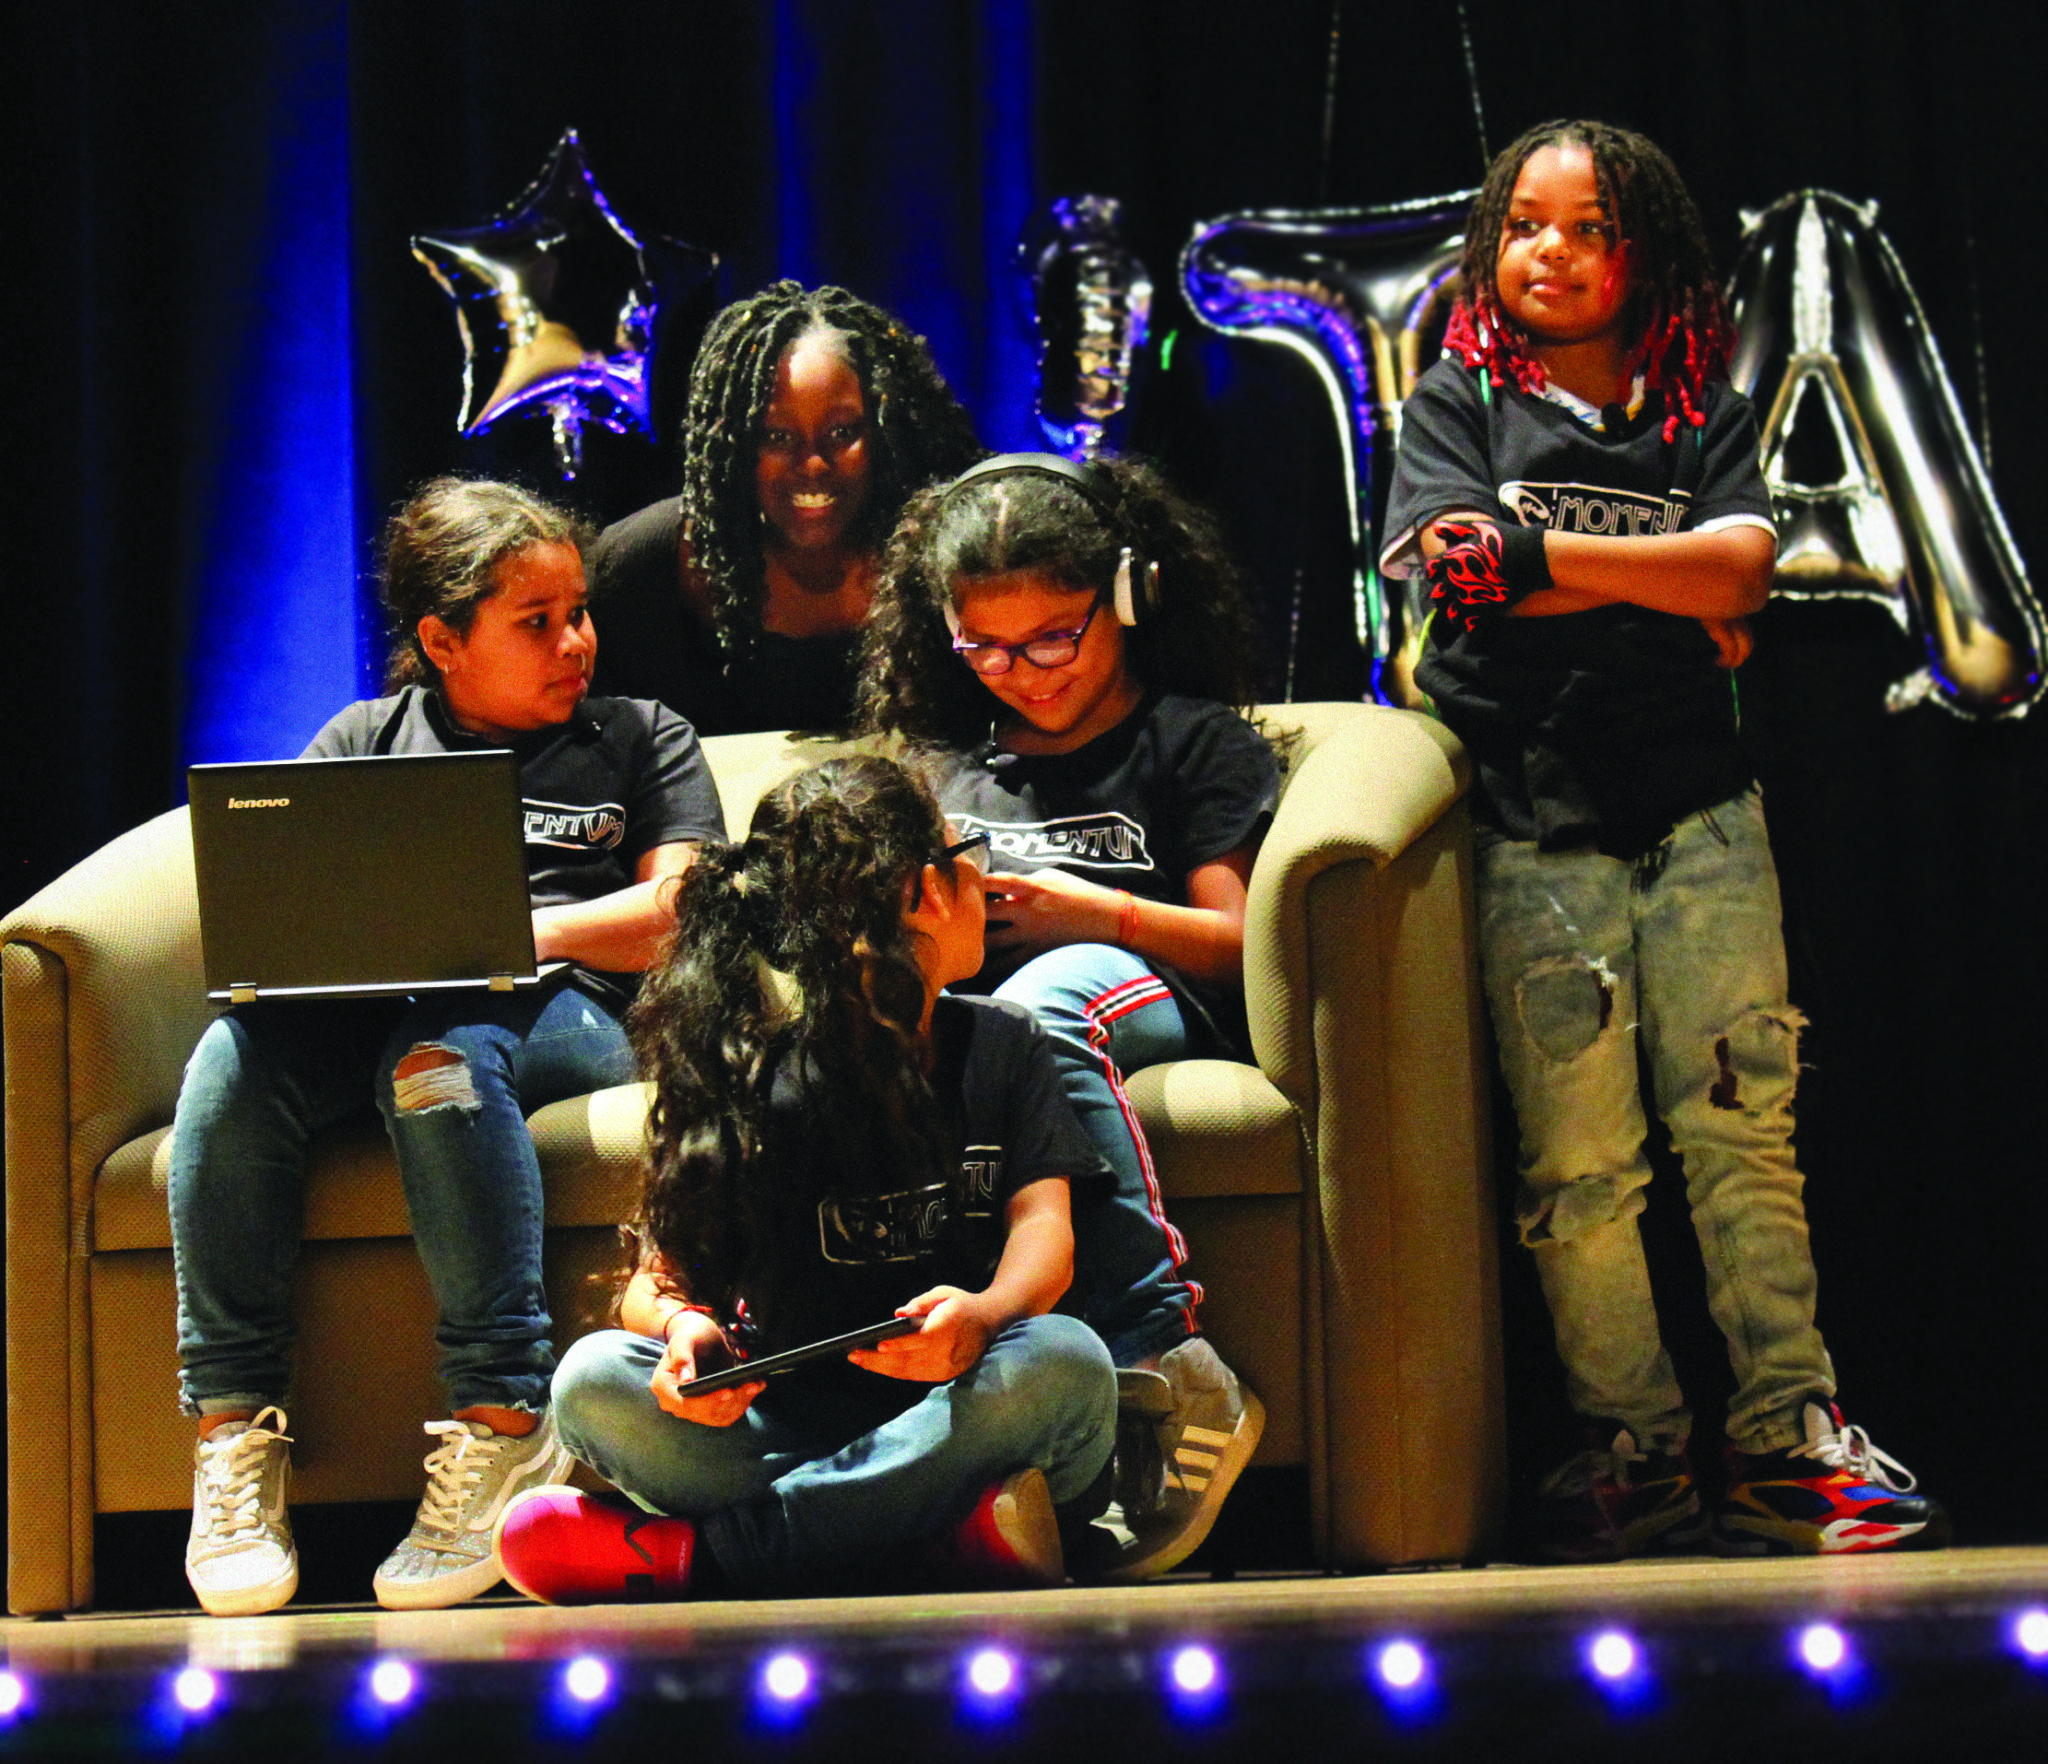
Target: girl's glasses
[1054,649]
[973,849]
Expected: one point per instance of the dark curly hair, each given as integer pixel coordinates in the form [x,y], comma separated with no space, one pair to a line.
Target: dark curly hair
[816,892]
[1203,642]
[918,428]
[1674,310]
[441,555]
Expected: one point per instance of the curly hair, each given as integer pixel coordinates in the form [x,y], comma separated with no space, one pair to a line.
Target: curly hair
[918,428]
[1674,311]
[441,555]
[816,892]
[1203,641]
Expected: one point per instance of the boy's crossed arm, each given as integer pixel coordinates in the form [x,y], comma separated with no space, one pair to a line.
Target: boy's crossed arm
[1718,577]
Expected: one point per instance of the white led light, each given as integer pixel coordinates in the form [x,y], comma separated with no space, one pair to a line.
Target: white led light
[195,1688]
[587,1678]
[1400,1665]
[1612,1654]
[786,1677]
[992,1672]
[391,1681]
[1194,1670]
[1822,1646]
[2030,1631]
[13,1694]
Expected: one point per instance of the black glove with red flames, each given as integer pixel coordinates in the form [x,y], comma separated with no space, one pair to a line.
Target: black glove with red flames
[1484,568]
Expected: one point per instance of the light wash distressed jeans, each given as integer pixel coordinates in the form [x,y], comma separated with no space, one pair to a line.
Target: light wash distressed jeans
[1108,1013]
[811,1487]
[1680,953]
[266,1077]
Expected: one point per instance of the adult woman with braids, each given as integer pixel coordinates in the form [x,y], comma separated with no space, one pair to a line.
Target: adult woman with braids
[812,417]
[827,1152]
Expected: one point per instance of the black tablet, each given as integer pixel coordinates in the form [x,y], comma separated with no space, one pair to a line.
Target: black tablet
[747,1371]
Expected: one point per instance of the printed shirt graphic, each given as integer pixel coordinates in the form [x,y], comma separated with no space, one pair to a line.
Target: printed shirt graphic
[1601,727]
[601,827]
[1106,840]
[850,1233]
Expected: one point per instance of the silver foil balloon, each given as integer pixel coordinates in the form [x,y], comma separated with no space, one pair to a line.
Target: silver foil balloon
[1361,295]
[558,302]
[1091,303]
[1879,489]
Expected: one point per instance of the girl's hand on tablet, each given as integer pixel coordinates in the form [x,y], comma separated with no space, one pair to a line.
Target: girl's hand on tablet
[952,1339]
[696,1347]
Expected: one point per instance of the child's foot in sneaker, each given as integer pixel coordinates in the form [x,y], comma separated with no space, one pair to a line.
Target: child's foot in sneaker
[1011,1539]
[564,1547]
[241,1559]
[448,1556]
[1615,1499]
[1835,1494]
[1184,1432]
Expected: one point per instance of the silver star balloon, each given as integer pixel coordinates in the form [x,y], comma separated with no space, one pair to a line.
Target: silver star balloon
[559,303]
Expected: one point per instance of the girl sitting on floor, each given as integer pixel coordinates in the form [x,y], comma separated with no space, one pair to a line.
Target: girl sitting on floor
[835,1142]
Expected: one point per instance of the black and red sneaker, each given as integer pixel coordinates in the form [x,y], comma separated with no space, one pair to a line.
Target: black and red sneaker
[1615,1499]
[1834,1495]
[564,1547]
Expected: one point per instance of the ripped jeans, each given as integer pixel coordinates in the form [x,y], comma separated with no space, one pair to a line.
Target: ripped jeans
[265,1078]
[1586,958]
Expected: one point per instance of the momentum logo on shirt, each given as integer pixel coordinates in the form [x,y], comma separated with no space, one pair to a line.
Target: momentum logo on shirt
[1593,508]
[1104,841]
[598,828]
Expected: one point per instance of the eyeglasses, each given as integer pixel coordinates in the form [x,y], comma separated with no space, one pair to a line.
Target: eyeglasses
[1052,649]
[973,849]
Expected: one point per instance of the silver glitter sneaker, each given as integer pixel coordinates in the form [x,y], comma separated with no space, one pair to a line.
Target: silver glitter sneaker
[448,1556]
[241,1559]
[1183,1434]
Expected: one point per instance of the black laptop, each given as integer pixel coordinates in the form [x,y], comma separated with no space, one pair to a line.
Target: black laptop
[339,878]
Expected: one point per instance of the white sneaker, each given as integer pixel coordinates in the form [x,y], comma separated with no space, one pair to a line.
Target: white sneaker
[449,1556]
[1184,1433]
[240,1558]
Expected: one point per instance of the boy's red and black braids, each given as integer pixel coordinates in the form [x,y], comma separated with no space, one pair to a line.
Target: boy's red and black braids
[1675,302]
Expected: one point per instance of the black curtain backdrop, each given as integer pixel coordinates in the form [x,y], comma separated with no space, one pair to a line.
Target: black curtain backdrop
[175,156]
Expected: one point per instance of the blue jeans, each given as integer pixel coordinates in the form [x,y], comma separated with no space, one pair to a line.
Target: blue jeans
[1586,959]
[1108,1013]
[817,1485]
[266,1077]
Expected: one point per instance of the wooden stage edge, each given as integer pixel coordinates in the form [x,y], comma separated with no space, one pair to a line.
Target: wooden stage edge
[1972,1585]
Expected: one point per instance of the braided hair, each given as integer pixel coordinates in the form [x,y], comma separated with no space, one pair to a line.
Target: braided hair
[1203,641]
[1674,309]
[918,429]
[817,893]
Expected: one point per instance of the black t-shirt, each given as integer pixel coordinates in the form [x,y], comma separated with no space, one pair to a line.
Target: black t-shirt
[619,778]
[652,644]
[1596,728]
[1176,784]
[847,1237]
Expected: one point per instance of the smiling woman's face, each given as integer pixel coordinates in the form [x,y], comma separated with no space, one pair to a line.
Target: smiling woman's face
[813,452]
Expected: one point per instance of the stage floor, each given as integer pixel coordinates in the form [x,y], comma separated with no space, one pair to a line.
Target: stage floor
[1934,1660]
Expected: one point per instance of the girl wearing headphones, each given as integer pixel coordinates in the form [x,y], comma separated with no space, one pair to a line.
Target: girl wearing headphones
[1074,639]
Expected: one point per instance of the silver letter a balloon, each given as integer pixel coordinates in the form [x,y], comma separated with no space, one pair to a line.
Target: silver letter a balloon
[1879,490]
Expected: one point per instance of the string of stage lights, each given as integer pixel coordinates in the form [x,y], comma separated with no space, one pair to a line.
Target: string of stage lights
[1696,1681]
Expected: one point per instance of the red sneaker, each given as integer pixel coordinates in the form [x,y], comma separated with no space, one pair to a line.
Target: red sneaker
[564,1547]
[1834,1495]
[1011,1539]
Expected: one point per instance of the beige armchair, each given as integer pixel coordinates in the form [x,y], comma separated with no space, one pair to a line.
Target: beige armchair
[1336,1197]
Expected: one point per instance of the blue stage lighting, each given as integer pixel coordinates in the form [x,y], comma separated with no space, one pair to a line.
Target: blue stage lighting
[786,1678]
[13,1695]
[1401,1666]
[991,1674]
[587,1679]
[1612,1655]
[392,1682]
[2030,1633]
[194,1690]
[1195,1674]
[1823,1648]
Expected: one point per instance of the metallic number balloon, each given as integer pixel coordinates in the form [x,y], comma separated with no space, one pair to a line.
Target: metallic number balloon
[1360,295]
[558,302]
[1091,302]
[1879,489]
